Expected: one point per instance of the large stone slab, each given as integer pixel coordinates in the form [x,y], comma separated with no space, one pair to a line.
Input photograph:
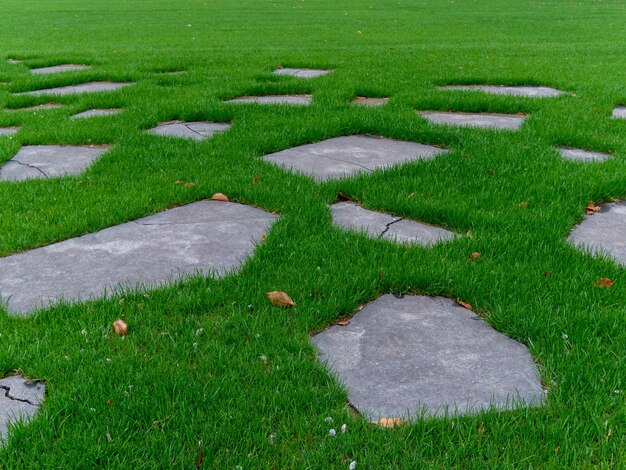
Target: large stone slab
[296,100]
[353,217]
[206,237]
[369,102]
[8,130]
[345,156]
[400,357]
[189,130]
[581,155]
[50,161]
[96,113]
[91,87]
[58,69]
[479,120]
[301,73]
[527,91]
[619,112]
[20,399]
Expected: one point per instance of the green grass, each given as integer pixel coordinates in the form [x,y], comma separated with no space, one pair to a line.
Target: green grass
[188,383]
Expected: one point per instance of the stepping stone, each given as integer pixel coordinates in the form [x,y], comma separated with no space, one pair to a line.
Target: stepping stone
[35,108]
[19,401]
[205,237]
[604,232]
[96,112]
[400,357]
[13,61]
[8,130]
[301,73]
[298,100]
[50,161]
[619,112]
[582,155]
[91,87]
[59,68]
[353,217]
[528,91]
[481,120]
[189,130]
[363,101]
[345,156]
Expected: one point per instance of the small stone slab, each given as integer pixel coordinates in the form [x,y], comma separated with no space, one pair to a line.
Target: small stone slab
[413,355]
[206,237]
[582,155]
[353,217]
[91,87]
[97,113]
[527,91]
[364,101]
[189,130]
[35,108]
[13,61]
[49,161]
[345,156]
[297,100]
[301,73]
[479,120]
[8,130]
[58,69]
[19,401]
[619,112]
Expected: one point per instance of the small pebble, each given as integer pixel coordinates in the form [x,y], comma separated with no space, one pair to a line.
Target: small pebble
[332,433]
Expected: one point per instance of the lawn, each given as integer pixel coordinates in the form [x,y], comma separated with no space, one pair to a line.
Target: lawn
[211,374]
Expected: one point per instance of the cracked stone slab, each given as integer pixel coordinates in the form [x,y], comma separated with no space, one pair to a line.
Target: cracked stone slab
[478,120]
[369,102]
[619,112]
[91,87]
[96,113]
[414,355]
[205,237]
[527,91]
[296,100]
[350,216]
[35,108]
[189,130]
[8,130]
[345,156]
[20,399]
[59,68]
[301,73]
[50,161]
[582,155]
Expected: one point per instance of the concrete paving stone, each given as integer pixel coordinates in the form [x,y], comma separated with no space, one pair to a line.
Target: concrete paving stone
[353,217]
[414,355]
[582,155]
[97,113]
[189,130]
[19,401]
[50,161]
[59,68]
[480,120]
[345,156]
[527,91]
[205,237]
[35,108]
[91,87]
[301,73]
[8,130]
[619,112]
[297,100]
[364,101]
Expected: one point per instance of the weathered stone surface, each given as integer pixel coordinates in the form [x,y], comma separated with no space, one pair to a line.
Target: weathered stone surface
[482,120]
[353,217]
[620,112]
[96,112]
[206,237]
[527,91]
[582,155]
[58,69]
[400,357]
[35,108]
[8,130]
[189,130]
[92,87]
[297,100]
[301,73]
[344,156]
[19,401]
[364,101]
[49,161]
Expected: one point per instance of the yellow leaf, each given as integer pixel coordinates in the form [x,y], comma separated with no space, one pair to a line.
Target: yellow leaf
[280,299]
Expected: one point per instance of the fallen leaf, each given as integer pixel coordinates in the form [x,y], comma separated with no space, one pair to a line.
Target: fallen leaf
[389,422]
[185,184]
[468,234]
[263,237]
[280,299]
[343,197]
[120,327]
[256,180]
[280,67]
[219,197]
[523,204]
[343,323]
[474,255]
[591,208]
[605,282]
[465,304]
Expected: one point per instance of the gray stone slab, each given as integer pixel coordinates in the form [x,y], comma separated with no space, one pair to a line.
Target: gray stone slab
[19,401]
[59,68]
[189,130]
[35,108]
[206,237]
[353,217]
[345,156]
[91,87]
[582,155]
[370,102]
[527,91]
[8,130]
[479,120]
[301,73]
[96,113]
[297,100]
[401,357]
[619,112]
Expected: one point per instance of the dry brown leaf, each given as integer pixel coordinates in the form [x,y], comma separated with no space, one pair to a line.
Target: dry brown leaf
[591,208]
[120,327]
[523,204]
[605,282]
[343,323]
[263,237]
[389,422]
[465,304]
[280,67]
[343,197]
[256,180]
[185,184]
[474,255]
[219,197]
[280,299]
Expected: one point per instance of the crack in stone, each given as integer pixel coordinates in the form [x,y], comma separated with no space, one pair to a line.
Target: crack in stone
[31,166]
[349,163]
[195,132]
[10,397]
[388,226]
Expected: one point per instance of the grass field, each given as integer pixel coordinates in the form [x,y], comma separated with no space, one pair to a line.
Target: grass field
[188,385]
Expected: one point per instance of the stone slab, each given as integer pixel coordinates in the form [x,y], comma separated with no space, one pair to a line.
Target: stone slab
[527,91]
[49,161]
[301,73]
[297,100]
[619,112]
[582,155]
[91,87]
[189,130]
[353,217]
[206,237]
[369,102]
[58,69]
[8,130]
[13,61]
[96,113]
[19,401]
[401,357]
[478,120]
[35,108]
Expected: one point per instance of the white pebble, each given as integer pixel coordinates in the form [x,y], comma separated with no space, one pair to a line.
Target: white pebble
[343,428]
[332,433]
[352,465]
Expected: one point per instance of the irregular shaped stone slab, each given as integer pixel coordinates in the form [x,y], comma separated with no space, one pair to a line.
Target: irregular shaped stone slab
[582,155]
[206,237]
[96,113]
[189,130]
[301,73]
[364,101]
[91,87]
[353,217]
[35,108]
[345,156]
[19,400]
[8,130]
[400,357]
[527,91]
[58,69]
[297,100]
[50,161]
[619,112]
[480,120]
